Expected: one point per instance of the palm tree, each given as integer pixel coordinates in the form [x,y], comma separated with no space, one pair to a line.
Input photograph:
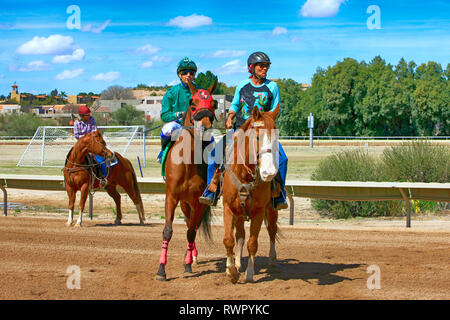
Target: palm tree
[62,95]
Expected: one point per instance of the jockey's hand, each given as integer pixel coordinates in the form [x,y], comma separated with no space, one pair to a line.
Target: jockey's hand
[229,124]
[179,115]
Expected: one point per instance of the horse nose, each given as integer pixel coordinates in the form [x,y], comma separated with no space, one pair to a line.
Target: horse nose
[268,170]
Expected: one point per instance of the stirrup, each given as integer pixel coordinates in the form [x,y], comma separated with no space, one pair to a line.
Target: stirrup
[103,182]
[210,201]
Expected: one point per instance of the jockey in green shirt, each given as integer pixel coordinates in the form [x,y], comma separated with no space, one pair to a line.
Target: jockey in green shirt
[176,101]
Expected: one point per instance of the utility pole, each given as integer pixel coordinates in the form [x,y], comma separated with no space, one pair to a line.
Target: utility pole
[311,126]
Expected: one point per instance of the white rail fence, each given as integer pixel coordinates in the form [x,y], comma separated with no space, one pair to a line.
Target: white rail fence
[327,190]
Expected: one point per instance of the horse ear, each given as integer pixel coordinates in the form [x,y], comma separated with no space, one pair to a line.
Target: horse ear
[275,112]
[213,87]
[255,113]
[192,87]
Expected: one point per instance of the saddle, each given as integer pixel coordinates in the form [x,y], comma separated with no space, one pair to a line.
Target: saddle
[90,163]
[163,158]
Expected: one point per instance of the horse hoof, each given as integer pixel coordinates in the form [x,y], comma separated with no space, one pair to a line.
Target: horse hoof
[78,225]
[117,222]
[233,274]
[161,277]
[194,261]
[249,278]
[187,268]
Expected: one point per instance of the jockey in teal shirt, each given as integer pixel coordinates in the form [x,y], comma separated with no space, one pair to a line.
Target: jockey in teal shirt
[257,91]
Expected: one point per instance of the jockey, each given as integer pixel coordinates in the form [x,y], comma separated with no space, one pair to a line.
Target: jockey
[255,91]
[81,128]
[176,101]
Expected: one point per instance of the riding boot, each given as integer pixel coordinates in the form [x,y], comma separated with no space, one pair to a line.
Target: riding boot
[100,171]
[211,194]
[279,201]
[164,142]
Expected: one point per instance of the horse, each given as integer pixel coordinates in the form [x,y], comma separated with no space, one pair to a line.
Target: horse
[79,175]
[186,179]
[247,190]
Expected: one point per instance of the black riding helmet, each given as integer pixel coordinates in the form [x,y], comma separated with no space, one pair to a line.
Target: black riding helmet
[254,58]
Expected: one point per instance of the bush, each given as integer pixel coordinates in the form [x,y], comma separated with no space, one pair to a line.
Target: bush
[23,124]
[355,165]
[419,161]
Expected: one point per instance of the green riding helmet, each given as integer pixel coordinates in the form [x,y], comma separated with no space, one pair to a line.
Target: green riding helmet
[186,64]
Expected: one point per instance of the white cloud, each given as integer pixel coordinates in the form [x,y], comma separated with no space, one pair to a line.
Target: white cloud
[147,64]
[77,55]
[231,67]
[108,77]
[224,54]
[278,31]
[69,74]
[54,44]
[172,83]
[321,8]
[161,59]
[191,21]
[155,58]
[89,28]
[34,66]
[147,49]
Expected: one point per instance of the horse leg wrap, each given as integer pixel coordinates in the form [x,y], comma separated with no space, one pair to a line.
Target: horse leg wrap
[194,251]
[163,258]
[190,248]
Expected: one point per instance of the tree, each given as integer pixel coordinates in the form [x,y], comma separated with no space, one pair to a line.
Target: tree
[431,99]
[205,80]
[128,115]
[54,93]
[117,93]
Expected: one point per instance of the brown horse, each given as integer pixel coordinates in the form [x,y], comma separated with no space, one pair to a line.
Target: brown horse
[247,191]
[186,177]
[79,176]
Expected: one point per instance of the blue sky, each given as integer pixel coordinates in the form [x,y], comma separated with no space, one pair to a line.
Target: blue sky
[131,42]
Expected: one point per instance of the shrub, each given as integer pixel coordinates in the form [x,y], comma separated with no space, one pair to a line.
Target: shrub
[418,161]
[355,165]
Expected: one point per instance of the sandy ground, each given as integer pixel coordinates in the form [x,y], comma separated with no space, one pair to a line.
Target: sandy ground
[317,258]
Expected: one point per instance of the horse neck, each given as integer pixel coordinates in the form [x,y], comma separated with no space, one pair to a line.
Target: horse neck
[241,169]
[78,153]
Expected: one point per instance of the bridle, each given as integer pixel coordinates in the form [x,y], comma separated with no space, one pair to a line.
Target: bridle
[205,103]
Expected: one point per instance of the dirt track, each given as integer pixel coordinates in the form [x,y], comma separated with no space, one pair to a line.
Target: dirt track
[314,262]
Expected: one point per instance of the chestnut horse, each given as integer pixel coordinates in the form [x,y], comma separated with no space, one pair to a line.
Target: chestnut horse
[186,177]
[79,176]
[247,191]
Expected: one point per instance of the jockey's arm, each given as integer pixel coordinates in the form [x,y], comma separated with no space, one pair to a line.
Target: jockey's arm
[231,116]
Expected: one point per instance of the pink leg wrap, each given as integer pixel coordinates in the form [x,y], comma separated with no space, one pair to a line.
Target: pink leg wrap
[188,259]
[163,258]
[194,251]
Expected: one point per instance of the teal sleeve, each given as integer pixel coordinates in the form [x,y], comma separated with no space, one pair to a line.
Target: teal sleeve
[276,96]
[236,103]
[167,113]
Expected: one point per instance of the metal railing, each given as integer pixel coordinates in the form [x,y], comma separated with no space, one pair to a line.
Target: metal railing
[327,190]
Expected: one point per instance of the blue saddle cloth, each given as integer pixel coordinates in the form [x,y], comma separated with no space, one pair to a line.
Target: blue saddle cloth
[103,165]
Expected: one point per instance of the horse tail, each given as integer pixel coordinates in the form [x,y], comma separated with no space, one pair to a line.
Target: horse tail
[135,184]
[206,223]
